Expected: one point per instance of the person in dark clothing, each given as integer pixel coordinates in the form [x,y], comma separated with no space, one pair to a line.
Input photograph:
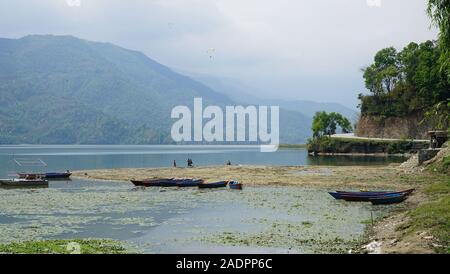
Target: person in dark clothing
[174,163]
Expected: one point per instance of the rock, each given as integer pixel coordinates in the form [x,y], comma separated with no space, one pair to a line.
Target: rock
[393,242]
[373,248]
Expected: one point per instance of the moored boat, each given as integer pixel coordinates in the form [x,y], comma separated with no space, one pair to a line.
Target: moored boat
[167,182]
[235,185]
[190,183]
[370,193]
[389,199]
[161,182]
[366,196]
[48,175]
[57,175]
[214,185]
[23,182]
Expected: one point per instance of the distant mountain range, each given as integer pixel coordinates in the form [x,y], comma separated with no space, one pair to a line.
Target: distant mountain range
[246,95]
[64,90]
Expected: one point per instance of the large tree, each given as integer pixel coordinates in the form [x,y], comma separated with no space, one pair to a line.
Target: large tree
[326,123]
[439,11]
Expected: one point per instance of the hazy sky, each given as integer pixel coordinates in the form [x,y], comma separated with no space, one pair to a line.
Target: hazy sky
[294,49]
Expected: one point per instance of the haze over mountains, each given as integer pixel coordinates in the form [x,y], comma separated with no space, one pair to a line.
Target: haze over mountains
[65,90]
[248,95]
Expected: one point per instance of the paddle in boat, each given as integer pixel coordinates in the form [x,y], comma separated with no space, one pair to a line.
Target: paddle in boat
[214,185]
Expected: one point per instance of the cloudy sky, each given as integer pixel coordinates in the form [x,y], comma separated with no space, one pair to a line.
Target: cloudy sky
[291,49]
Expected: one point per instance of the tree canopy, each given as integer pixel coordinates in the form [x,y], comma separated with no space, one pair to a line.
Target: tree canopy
[326,123]
[415,79]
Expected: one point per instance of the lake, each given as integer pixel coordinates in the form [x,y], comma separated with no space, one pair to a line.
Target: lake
[81,157]
[259,219]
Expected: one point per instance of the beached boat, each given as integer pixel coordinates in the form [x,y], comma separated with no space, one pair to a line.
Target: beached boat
[366,196]
[369,193]
[388,199]
[167,182]
[235,185]
[161,182]
[190,183]
[48,175]
[214,185]
[23,182]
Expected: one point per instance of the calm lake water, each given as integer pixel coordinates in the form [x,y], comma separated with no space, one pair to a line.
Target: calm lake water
[155,220]
[76,157]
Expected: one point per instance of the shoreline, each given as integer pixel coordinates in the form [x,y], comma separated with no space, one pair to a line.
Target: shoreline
[315,176]
[362,154]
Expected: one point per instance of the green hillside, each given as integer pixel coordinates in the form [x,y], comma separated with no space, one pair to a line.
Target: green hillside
[64,90]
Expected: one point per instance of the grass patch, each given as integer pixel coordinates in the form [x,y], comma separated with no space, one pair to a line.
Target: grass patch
[326,144]
[434,216]
[441,166]
[88,246]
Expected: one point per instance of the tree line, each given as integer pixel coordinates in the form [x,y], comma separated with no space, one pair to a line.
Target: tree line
[415,79]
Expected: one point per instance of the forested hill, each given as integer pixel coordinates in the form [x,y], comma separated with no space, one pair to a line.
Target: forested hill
[409,93]
[64,90]
[414,81]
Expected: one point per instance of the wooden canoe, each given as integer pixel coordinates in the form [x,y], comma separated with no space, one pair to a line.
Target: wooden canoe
[214,185]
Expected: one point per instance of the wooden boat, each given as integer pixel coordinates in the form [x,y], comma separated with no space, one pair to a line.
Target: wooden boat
[235,185]
[23,183]
[214,185]
[57,175]
[48,175]
[366,196]
[161,182]
[370,193]
[190,183]
[389,199]
[167,182]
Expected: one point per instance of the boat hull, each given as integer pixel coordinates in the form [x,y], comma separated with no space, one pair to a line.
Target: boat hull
[214,185]
[56,175]
[23,183]
[388,200]
[166,182]
[235,185]
[366,196]
[190,183]
[48,176]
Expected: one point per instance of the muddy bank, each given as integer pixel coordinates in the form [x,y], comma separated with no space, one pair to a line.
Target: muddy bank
[356,177]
